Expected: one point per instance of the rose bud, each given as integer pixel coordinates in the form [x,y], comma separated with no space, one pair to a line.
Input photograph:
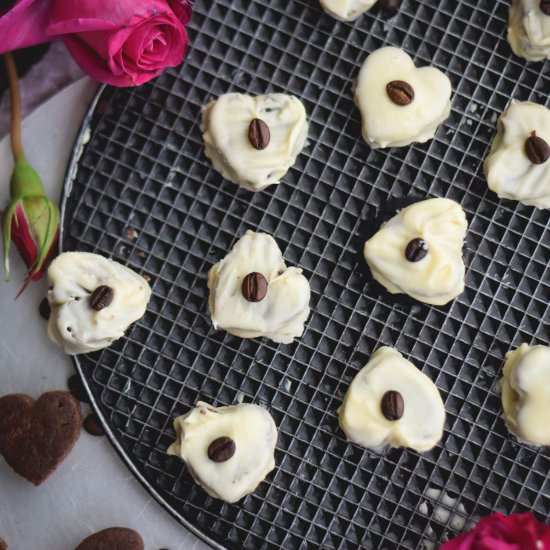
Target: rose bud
[500,532]
[31,220]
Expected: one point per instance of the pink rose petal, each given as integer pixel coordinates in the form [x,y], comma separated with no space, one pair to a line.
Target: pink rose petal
[24,25]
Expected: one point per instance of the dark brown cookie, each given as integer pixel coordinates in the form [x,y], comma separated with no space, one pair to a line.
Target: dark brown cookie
[3,545]
[36,436]
[114,538]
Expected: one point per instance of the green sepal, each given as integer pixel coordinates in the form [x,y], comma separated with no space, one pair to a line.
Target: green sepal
[25,181]
[7,218]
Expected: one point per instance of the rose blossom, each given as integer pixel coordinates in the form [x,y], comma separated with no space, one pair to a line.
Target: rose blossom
[498,532]
[119,42]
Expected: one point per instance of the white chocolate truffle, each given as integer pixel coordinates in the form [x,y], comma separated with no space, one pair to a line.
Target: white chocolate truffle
[436,278]
[529,30]
[387,124]
[281,314]
[234,473]
[526,393]
[74,324]
[509,171]
[347,10]
[225,126]
[423,414]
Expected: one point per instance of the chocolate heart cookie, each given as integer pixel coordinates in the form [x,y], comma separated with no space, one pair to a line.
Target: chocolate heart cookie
[229,450]
[400,103]
[3,545]
[392,403]
[114,538]
[518,166]
[347,10]
[93,301]
[253,293]
[529,29]
[525,391]
[419,251]
[36,436]
[254,140]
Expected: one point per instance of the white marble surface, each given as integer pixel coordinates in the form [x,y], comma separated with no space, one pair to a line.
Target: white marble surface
[92,489]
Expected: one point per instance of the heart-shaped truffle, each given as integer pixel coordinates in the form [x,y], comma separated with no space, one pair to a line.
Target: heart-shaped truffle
[114,538]
[93,301]
[529,29]
[399,103]
[253,293]
[347,10]
[391,402]
[518,166]
[526,393]
[419,251]
[36,436]
[228,450]
[253,141]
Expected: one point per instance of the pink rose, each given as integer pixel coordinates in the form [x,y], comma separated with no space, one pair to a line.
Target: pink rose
[498,532]
[119,42]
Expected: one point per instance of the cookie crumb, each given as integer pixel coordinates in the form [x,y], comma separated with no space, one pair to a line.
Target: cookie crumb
[132,234]
[45,312]
[93,426]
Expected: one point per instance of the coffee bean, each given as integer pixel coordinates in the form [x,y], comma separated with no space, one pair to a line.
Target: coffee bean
[221,449]
[400,92]
[545,6]
[254,287]
[537,149]
[77,388]
[393,406]
[259,134]
[416,250]
[101,297]
[92,425]
[391,6]
[44,309]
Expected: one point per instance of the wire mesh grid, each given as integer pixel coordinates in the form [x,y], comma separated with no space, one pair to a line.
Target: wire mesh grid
[142,191]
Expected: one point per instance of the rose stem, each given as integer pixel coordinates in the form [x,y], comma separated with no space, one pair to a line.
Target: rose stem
[15,100]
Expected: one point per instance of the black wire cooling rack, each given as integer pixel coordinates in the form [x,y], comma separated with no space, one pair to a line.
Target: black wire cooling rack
[141,190]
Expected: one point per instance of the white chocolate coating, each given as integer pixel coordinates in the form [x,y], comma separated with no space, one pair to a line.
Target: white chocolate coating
[439,277]
[386,124]
[255,435]
[347,10]
[281,315]
[225,124]
[529,30]
[509,172]
[73,324]
[361,418]
[526,393]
